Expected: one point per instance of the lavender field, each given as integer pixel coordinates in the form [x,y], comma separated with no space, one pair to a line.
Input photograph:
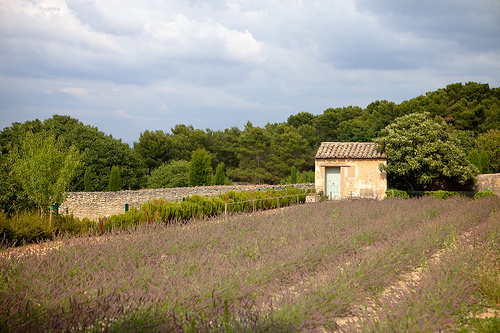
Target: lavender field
[363,266]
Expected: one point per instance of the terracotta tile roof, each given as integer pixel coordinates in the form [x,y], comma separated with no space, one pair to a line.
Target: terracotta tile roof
[349,150]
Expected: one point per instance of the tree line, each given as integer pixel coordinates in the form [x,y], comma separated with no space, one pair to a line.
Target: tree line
[469,115]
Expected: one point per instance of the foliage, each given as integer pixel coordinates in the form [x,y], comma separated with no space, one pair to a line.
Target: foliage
[422,153]
[44,168]
[440,194]
[220,174]
[200,168]
[293,175]
[484,194]
[115,180]
[393,193]
[489,142]
[26,227]
[101,151]
[171,174]
[87,180]
[480,159]
[290,271]
[154,148]
[266,154]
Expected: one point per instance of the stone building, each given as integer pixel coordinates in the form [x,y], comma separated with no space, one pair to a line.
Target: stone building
[350,169]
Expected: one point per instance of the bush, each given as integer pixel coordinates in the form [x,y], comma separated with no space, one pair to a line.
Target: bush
[220,175]
[200,169]
[167,175]
[115,179]
[483,194]
[393,193]
[441,194]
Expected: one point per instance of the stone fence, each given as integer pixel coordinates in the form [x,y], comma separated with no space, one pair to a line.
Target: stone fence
[489,180]
[99,204]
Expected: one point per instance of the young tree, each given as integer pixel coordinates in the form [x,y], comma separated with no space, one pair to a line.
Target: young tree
[44,168]
[220,175]
[115,179]
[293,175]
[87,180]
[422,153]
[200,169]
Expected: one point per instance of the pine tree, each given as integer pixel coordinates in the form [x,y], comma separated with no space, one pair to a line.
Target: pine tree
[115,180]
[87,180]
[220,175]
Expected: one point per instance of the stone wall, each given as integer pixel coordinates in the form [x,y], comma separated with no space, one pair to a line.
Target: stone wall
[490,180]
[98,204]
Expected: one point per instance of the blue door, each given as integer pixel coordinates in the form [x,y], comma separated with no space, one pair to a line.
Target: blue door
[332,179]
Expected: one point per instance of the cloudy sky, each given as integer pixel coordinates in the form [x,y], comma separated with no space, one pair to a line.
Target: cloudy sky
[130,65]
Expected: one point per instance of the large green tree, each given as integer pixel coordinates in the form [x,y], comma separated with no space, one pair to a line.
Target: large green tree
[45,168]
[101,151]
[423,154]
[154,147]
[254,150]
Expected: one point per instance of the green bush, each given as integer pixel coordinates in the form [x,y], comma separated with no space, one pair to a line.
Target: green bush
[115,179]
[441,194]
[171,174]
[483,194]
[393,193]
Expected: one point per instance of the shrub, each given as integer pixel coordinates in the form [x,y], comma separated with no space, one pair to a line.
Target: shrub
[220,175]
[293,175]
[483,194]
[393,193]
[200,169]
[87,180]
[441,194]
[115,180]
[171,174]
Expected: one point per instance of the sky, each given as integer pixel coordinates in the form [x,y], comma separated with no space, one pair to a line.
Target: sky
[126,66]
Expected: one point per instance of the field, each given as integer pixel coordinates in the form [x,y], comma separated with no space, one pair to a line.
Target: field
[395,265]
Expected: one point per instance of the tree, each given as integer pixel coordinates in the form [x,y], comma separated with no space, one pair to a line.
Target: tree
[115,179]
[87,180]
[44,168]
[154,148]
[220,175]
[171,174]
[480,159]
[490,143]
[253,154]
[200,169]
[422,153]
[102,151]
[293,175]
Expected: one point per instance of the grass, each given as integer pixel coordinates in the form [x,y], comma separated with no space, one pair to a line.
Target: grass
[300,268]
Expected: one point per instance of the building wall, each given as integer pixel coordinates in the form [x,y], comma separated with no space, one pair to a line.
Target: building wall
[359,177]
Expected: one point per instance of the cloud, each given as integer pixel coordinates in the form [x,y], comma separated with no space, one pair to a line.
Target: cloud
[216,64]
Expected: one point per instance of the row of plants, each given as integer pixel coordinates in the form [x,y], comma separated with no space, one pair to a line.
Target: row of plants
[196,206]
[440,194]
[27,227]
[299,269]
